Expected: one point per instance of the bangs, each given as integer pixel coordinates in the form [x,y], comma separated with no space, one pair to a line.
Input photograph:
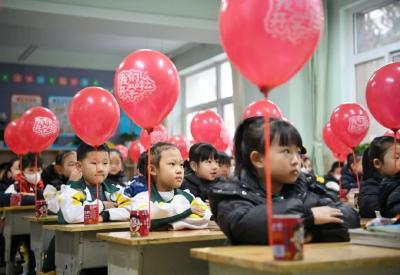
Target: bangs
[286,133]
[202,151]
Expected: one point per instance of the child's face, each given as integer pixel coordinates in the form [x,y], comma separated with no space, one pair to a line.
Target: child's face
[206,169]
[68,164]
[88,167]
[115,163]
[224,170]
[14,170]
[169,173]
[285,163]
[386,168]
[357,166]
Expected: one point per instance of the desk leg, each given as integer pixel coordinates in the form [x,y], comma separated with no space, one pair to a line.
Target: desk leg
[157,259]
[13,225]
[68,252]
[40,240]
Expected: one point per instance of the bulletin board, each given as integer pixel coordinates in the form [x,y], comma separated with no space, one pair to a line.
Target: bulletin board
[59,106]
[22,102]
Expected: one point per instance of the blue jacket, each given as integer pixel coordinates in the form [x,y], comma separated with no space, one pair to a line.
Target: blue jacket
[136,186]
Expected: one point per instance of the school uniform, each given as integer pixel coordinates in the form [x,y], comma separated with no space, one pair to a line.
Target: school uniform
[239,208]
[136,186]
[389,196]
[173,212]
[77,194]
[368,199]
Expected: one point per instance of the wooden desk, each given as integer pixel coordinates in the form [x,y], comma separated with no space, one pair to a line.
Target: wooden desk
[40,239]
[77,247]
[164,252]
[14,225]
[328,258]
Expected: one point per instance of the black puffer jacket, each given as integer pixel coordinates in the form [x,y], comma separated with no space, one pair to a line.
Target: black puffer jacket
[368,200]
[198,187]
[239,209]
[389,196]
[349,179]
[49,176]
[119,179]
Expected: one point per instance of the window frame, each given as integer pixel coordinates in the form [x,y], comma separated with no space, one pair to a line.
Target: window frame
[219,103]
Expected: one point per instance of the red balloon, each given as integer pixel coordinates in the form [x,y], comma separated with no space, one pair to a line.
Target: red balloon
[383,95]
[40,128]
[135,150]
[260,108]
[350,122]
[182,143]
[338,148]
[13,137]
[94,115]
[390,133]
[223,142]
[206,126]
[123,150]
[269,41]
[146,85]
[159,134]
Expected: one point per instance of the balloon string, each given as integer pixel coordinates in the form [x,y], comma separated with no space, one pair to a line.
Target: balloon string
[340,181]
[395,151]
[149,176]
[36,183]
[357,177]
[97,185]
[267,169]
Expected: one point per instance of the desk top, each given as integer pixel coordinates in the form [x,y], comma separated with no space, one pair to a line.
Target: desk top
[316,257]
[89,227]
[17,208]
[49,218]
[161,237]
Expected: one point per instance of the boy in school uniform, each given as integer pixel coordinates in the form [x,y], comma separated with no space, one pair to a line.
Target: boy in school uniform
[113,205]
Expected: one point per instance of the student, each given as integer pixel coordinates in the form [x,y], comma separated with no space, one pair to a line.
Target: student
[27,179]
[116,175]
[171,207]
[11,169]
[113,205]
[202,171]
[389,190]
[349,170]
[239,206]
[307,166]
[57,176]
[224,162]
[334,173]
[59,173]
[138,184]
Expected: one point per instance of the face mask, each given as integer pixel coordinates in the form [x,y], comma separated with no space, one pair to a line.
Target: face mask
[337,177]
[31,178]
[232,171]
[304,170]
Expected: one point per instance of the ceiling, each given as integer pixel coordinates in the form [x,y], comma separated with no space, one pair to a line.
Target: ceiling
[101,32]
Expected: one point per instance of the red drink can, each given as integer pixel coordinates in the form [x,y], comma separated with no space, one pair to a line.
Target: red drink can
[90,214]
[288,237]
[41,208]
[15,199]
[139,223]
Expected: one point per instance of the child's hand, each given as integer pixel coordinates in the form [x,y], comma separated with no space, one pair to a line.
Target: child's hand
[76,174]
[326,214]
[197,210]
[100,218]
[108,204]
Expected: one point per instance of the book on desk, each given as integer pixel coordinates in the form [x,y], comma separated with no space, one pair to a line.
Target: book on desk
[384,236]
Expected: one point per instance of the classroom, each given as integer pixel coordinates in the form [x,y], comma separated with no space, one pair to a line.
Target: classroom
[199,137]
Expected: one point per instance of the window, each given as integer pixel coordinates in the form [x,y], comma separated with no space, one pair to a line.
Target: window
[376,42]
[209,88]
